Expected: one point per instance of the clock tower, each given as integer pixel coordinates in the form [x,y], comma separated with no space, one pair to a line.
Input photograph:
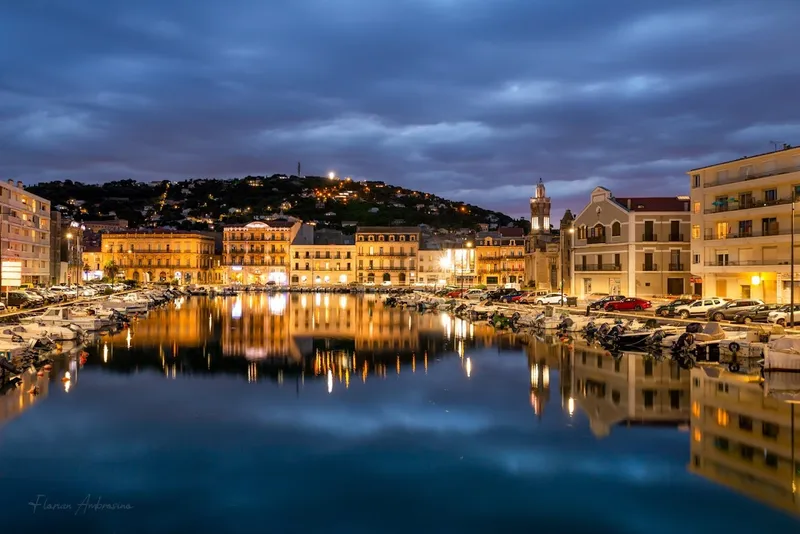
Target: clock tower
[540,211]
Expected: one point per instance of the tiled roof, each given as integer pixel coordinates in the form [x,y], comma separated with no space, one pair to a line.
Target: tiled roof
[155,231]
[388,230]
[511,231]
[653,203]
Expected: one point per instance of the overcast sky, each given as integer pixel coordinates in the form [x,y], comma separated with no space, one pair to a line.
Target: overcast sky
[471,99]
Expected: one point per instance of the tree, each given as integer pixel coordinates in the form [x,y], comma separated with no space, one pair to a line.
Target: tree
[111,270]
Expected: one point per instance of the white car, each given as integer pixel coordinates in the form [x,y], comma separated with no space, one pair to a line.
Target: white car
[781,316]
[552,298]
[88,292]
[699,307]
[475,294]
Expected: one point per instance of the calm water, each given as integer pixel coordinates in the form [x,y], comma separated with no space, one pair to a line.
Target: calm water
[329,413]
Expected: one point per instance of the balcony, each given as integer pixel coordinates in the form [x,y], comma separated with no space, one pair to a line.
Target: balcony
[598,267]
[677,267]
[649,267]
[737,179]
[649,238]
[752,204]
[743,235]
[676,237]
[595,239]
[375,268]
[746,263]
[388,255]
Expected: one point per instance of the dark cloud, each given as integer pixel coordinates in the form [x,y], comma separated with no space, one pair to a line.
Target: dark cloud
[465,98]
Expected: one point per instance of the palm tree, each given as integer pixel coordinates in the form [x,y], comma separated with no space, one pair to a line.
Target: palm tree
[111,270]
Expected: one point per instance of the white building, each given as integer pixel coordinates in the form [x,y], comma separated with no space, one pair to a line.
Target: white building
[25,233]
[741,226]
[631,246]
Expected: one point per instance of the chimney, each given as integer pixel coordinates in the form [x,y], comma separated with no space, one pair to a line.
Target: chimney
[19,184]
[629,204]
[10,181]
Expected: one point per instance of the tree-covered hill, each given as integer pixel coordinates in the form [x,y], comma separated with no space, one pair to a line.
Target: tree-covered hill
[202,204]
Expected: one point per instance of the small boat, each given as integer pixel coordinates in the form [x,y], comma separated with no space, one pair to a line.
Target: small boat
[782,354]
[66,317]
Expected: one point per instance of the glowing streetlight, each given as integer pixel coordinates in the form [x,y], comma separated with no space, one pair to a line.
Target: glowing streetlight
[331,175]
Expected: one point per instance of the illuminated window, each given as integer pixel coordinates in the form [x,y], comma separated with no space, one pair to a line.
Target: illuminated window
[697,207]
[722,417]
[696,435]
[695,231]
[696,409]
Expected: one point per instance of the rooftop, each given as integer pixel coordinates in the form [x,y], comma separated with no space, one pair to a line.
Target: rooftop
[388,229]
[743,158]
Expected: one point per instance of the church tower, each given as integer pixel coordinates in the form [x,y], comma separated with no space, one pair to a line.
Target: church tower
[540,211]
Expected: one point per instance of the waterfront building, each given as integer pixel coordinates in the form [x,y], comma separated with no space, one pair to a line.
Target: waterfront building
[322,258]
[158,256]
[628,391]
[743,439]
[631,246]
[434,265]
[500,257]
[92,258]
[258,252]
[387,254]
[56,267]
[741,226]
[24,233]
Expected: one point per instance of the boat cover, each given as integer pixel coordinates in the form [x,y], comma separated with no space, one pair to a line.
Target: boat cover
[785,344]
[712,332]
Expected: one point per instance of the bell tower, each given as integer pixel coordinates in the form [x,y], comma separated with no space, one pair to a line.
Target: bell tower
[540,211]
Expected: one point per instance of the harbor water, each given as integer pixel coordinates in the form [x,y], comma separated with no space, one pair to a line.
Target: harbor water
[333,413]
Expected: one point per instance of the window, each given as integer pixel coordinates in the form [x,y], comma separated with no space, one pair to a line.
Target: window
[721,444]
[745,228]
[675,399]
[769,226]
[769,430]
[648,368]
[697,207]
[747,453]
[696,259]
[770,195]
[770,460]
[616,228]
[649,398]
[615,396]
[722,417]
[695,231]
[695,180]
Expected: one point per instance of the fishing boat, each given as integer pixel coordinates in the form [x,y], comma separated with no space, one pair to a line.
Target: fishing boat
[782,354]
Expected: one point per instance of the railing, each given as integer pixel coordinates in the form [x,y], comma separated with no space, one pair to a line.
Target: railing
[738,206]
[389,255]
[649,237]
[745,263]
[742,235]
[677,267]
[650,267]
[737,179]
[676,237]
[598,267]
[593,240]
[376,268]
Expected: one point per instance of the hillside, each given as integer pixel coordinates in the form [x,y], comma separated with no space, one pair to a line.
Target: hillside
[204,204]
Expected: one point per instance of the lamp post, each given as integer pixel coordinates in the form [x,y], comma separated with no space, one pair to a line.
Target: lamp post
[571,231]
[791,265]
[69,237]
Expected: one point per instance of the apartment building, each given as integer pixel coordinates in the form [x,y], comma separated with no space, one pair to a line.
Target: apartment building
[258,252]
[25,233]
[387,254]
[743,439]
[501,257]
[434,266]
[155,256]
[631,246]
[322,258]
[741,226]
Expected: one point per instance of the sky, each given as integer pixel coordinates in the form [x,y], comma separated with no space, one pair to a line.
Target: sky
[474,100]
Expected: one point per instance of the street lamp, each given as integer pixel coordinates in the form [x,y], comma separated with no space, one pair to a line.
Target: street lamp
[331,175]
[571,232]
[70,259]
[791,265]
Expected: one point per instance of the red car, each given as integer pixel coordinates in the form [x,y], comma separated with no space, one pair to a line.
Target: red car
[628,304]
[457,294]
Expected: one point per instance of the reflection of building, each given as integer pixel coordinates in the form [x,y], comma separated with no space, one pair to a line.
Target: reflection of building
[744,440]
[387,255]
[629,390]
[631,246]
[501,257]
[322,258]
[258,252]
[25,232]
[741,226]
[16,401]
[157,256]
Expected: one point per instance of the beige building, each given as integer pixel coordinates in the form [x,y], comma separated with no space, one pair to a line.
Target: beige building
[741,226]
[745,440]
[25,232]
[323,258]
[433,267]
[387,254]
[258,252]
[156,256]
[631,246]
[501,257]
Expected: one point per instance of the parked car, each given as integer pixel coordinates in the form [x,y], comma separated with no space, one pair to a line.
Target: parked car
[475,294]
[601,304]
[457,294]
[508,297]
[758,314]
[88,292]
[668,309]
[552,298]
[18,299]
[781,315]
[628,304]
[731,308]
[699,307]
[37,299]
